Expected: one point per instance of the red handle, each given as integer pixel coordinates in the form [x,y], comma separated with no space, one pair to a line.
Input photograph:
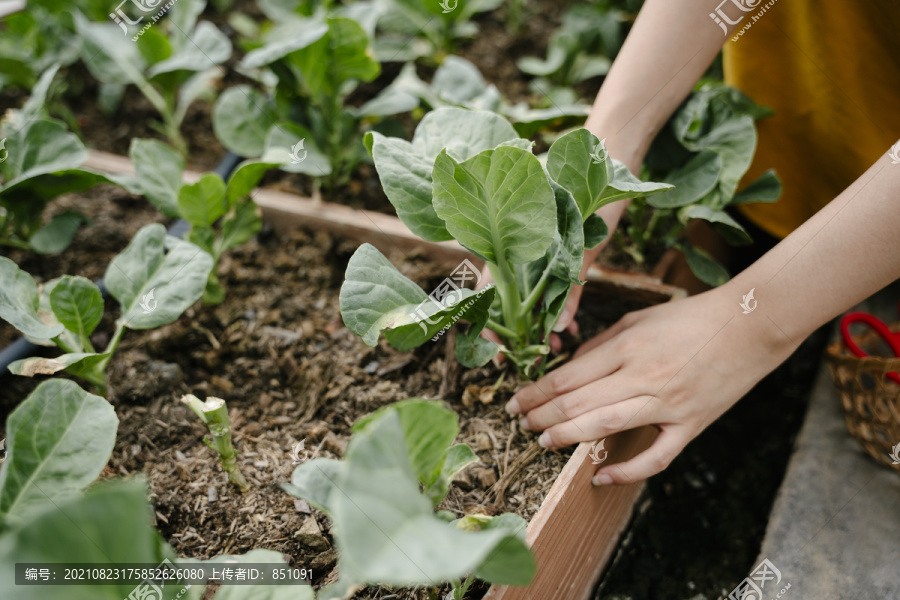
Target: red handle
[891,339]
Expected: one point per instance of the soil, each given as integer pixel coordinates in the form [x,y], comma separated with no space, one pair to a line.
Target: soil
[277,351]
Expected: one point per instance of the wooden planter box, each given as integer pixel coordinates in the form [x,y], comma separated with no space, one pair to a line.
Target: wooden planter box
[578,526]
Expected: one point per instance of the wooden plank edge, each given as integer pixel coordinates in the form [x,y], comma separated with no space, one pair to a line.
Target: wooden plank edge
[578,526]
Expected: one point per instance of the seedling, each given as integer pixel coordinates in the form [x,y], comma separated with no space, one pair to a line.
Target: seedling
[172,63]
[315,70]
[704,152]
[153,287]
[386,530]
[222,216]
[214,413]
[466,175]
[41,160]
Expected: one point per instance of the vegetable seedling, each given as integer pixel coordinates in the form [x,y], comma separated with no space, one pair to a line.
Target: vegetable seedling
[466,175]
[306,126]
[704,152]
[214,413]
[41,160]
[172,64]
[153,288]
[222,216]
[374,500]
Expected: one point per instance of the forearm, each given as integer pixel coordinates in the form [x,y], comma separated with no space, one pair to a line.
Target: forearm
[842,255]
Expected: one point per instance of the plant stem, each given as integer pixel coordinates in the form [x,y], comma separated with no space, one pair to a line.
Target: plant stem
[14,243]
[214,413]
[498,328]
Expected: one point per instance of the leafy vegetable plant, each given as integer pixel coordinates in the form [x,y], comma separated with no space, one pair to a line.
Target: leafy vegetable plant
[173,63]
[42,161]
[214,414]
[582,47]
[410,29]
[222,216]
[387,531]
[457,82]
[466,175]
[317,62]
[704,152]
[60,439]
[153,287]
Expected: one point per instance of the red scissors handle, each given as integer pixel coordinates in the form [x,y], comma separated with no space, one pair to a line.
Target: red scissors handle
[890,338]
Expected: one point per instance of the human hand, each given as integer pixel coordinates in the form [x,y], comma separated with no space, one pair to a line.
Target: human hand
[677,366]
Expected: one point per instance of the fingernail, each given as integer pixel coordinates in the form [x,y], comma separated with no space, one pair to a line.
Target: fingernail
[563,322]
[523,424]
[544,440]
[601,479]
[512,407]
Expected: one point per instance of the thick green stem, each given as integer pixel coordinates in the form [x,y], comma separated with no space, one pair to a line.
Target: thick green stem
[500,329]
[508,288]
[13,243]
[214,413]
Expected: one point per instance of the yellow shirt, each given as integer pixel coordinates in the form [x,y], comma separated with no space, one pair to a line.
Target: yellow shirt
[830,69]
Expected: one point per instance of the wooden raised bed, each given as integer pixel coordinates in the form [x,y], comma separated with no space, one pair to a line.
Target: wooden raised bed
[578,525]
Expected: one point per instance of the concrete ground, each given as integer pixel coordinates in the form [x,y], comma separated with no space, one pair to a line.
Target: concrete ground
[834,531]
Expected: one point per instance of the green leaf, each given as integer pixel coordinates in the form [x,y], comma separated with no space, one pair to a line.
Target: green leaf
[457,458]
[110,524]
[55,236]
[206,48]
[59,439]
[723,222]
[19,302]
[244,178]
[512,563]
[294,148]
[77,363]
[498,204]
[315,481]
[692,182]
[578,162]
[78,305]
[108,55]
[203,202]
[241,120]
[386,530]
[338,57]
[282,41]
[40,147]
[624,185]
[705,266]
[159,170]
[241,224]
[405,168]
[735,141]
[765,189]
[376,297]
[595,231]
[472,350]
[166,283]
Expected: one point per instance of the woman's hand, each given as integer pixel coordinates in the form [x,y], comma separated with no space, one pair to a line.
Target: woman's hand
[677,366]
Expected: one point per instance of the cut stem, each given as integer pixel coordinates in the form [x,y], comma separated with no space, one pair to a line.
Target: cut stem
[214,413]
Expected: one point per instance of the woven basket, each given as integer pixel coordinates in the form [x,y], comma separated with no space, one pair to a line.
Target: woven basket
[871,401]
